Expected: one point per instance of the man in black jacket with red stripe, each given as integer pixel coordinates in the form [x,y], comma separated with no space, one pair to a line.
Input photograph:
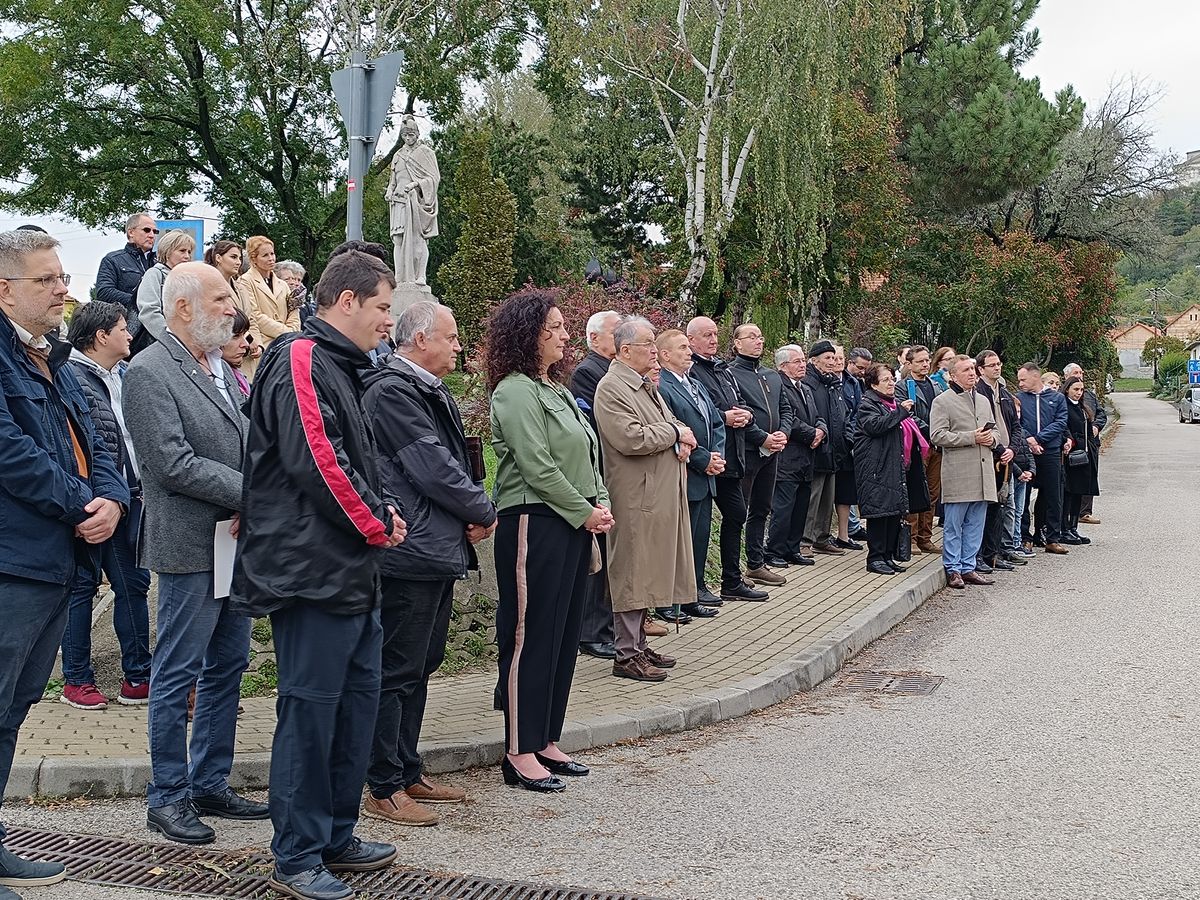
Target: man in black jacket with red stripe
[312,534]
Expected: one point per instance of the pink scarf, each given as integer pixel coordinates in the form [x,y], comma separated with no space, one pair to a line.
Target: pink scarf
[912,433]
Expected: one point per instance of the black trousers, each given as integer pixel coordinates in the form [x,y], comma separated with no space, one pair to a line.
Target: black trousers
[1048,510]
[732,506]
[1074,506]
[597,627]
[883,536]
[789,511]
[993,525]
[328,698]
[415,617]
[541,571]
[758,487]
[700,513]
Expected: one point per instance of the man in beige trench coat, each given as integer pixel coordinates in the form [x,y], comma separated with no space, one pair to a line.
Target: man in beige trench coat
[650,545]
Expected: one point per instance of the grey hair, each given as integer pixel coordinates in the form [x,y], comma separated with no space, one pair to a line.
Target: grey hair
[596,321]
[286,266]
[860,353]
[627,330]
[783,354]
[135,218]
[1071,367]
[185,285]
[418,318]
[172,241]
[16,245]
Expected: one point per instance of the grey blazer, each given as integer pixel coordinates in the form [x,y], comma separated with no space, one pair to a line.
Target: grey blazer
[190,443]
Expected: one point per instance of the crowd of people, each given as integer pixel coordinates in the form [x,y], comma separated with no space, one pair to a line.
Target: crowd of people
[193,407]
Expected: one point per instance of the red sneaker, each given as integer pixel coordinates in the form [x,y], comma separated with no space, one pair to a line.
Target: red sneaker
[83,696]
[134,694]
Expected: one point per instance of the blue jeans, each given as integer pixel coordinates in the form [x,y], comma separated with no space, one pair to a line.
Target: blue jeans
[1020,492]
[131,618]
[34,613]
[962,535]
[198,637]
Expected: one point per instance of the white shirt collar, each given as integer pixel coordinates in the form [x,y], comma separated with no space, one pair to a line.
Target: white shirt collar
[27,338]
[428,377]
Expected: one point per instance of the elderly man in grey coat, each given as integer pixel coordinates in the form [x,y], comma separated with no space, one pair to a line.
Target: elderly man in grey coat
[183,409]
[961,423]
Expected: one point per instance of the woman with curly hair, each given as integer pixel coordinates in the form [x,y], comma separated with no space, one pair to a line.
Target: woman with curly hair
[551,500]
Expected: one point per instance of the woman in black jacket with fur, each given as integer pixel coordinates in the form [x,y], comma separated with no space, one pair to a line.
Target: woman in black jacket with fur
[888,468]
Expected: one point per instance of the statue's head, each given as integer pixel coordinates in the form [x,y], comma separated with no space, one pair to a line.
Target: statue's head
[409,131]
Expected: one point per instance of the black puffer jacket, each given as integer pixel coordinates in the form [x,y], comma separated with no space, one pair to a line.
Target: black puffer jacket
[103,417]
[314,524]
[827,392]
[879,458]
[422,451]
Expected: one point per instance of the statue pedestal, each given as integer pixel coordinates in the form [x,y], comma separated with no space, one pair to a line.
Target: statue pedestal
[407,293]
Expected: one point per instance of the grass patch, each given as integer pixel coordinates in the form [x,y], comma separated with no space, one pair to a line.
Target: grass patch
[262,682]
[54,689]
[1133,385]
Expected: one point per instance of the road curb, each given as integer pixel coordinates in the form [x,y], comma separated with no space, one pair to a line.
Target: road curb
[55,776]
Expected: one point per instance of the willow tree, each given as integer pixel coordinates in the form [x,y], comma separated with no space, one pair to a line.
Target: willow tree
[741,89]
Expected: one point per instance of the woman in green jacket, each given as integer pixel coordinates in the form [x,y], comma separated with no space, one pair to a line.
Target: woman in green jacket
[550,500]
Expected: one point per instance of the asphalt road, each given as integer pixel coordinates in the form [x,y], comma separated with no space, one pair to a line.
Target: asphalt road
[1057,760]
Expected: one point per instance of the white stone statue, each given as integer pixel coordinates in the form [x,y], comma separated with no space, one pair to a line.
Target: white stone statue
[413,203]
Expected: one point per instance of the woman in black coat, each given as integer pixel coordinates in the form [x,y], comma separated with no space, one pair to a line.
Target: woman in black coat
[1081,480]
[888,451]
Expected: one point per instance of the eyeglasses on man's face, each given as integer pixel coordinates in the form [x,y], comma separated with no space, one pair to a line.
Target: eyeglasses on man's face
[47,282]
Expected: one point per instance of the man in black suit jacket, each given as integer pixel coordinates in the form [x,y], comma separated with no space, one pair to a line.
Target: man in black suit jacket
[790,508]
[689,401]
[596,631]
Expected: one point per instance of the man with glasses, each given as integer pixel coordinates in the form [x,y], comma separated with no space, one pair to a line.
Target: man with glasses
[121,271]
[61,496]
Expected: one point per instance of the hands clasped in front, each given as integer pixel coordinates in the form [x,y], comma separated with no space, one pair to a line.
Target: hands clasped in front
[600,521]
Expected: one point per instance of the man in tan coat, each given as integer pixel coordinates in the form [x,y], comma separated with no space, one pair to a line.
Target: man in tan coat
[961,423]
[650,545]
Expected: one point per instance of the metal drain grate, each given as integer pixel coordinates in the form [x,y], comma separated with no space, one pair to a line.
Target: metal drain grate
[232,876]
[892,682]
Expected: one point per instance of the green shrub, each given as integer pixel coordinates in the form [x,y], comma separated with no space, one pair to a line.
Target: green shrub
[1172,366]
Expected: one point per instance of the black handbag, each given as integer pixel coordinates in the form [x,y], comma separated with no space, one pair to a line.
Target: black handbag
[903,551]
[1078,457]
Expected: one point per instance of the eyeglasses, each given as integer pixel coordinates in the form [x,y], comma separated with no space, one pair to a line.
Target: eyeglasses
[46,281]
[639,344]
[148,230]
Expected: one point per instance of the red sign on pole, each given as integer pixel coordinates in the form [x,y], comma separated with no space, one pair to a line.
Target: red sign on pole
[350,185]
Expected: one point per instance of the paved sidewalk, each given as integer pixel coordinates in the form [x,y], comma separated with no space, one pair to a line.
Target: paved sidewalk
[751,656]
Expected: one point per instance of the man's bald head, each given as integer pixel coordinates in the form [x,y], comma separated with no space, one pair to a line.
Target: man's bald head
[702,336]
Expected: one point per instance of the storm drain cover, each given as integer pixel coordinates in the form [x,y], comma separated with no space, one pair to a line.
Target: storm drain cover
[892,682]
[233,876]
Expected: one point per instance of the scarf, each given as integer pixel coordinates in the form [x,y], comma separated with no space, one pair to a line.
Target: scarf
[910,430]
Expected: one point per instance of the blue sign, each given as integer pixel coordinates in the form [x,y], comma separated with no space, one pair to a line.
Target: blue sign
[1193,377]
[1194,365]
[195,226]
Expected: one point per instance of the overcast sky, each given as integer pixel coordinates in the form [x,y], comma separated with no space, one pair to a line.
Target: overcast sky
[1086,43]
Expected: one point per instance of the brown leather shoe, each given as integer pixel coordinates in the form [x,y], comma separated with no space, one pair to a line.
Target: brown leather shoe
[1088,520]
[427,791]
[639,668]
[1057,548]
[763,575]
[399,809]
[659,659]
[954,580]
[654,628]
[928,547]
[828,547]
[976,578]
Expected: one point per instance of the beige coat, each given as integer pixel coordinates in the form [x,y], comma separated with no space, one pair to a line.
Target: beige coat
[650,545]
[968,469]
[267,311]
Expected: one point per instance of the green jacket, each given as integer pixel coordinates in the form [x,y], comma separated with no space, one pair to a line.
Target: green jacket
[546,452]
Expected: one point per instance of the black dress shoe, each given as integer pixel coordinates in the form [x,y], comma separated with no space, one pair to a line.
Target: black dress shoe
[741,591]
[673,614]
[598,650]
[699,610]
[178,822]
[1069,538]
[982,568]
[880,568]
[895,565]
[707,598]
[317,883]
[1003,565]
[847,545]
[360,856]
[228,805]
[859,534]
[558,767]
[777,562]
[801,560]
[551,784]
[1079,537]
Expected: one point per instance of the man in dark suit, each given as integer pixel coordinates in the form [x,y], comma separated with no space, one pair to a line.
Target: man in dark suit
[596,631]
[792,485]
[690,403]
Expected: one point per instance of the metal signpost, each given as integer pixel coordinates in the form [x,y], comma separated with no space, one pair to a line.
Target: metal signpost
[364,94]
